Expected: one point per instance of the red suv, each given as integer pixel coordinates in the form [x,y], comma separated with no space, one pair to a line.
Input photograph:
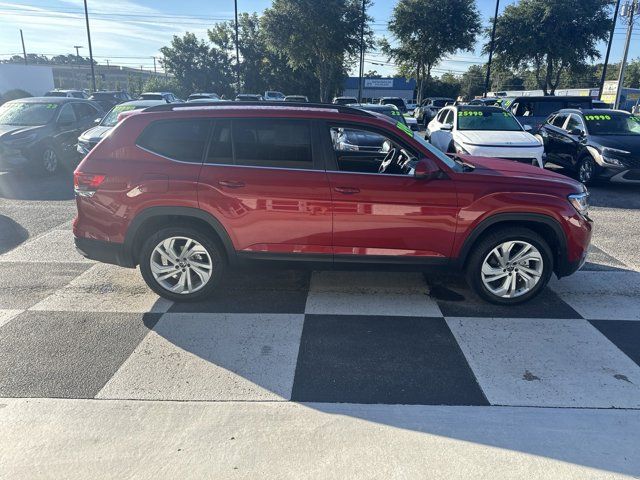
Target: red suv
[188,191]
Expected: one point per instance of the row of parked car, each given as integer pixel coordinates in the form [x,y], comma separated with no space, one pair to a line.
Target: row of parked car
[570,132]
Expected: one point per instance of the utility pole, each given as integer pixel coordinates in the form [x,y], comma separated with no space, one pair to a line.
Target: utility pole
[77,69]
[628,10]
[235,2]
[491,45]
[24,51]
[107,63]
[155,72]
[606,57]
[93,73]
[360,77]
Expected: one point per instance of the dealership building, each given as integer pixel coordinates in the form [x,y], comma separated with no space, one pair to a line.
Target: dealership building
[374,88]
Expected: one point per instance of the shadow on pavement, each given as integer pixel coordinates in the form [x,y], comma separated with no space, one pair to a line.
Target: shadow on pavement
[12,234]
[25,186]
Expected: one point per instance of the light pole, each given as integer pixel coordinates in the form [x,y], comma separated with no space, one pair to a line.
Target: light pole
[235,2]
[628,10]
[93,73]
[360,79]
[491,45]
[606,57]
[78,47]
[24,50]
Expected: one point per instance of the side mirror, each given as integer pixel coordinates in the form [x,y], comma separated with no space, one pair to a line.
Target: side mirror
[577,132]
[426,169]
[97,120]
[527,128]
[447,126]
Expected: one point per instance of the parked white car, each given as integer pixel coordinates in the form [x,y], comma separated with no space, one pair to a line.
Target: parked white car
[484,132]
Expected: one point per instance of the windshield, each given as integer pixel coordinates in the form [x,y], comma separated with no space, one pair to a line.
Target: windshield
[55,94]
[27,114]
[112,117]
[398,102]
[151,96]
[487,120]
[613,124]
[438,153]
[441,103]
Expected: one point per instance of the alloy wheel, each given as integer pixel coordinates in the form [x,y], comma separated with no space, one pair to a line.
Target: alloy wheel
[512,269]
[585,172]
[181,265]
[50,160]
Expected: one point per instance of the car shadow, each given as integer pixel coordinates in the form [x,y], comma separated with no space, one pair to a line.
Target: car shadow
[21,185]
[567,435]
[12,234]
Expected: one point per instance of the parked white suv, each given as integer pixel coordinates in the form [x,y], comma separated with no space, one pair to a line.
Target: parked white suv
[484,132]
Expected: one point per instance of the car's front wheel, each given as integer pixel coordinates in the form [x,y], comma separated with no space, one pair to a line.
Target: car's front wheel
[587,169]
[510,266]
[182,264]
[48,160]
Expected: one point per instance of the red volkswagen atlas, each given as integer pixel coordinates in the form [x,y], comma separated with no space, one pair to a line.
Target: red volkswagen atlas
[187,191]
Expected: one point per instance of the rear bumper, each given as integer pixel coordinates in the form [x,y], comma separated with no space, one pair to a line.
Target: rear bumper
[106,252]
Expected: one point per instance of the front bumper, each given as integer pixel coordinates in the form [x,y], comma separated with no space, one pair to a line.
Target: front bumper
[105,252]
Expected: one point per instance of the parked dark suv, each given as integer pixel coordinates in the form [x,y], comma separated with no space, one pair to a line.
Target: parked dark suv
[39,134]
[594,144]
[187,192]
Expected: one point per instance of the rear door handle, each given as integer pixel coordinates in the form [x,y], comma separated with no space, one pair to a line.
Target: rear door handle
[347,190]
[231,183]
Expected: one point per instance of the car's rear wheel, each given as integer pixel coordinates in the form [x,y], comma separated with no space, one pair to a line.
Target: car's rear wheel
[510,266]
[182,264]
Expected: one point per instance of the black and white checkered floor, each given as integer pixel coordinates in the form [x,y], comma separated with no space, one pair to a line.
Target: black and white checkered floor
[72,328]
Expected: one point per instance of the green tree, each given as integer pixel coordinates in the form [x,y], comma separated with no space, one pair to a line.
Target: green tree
[550,36]
[261,68]
[425,31]
[196,66]
[322,37]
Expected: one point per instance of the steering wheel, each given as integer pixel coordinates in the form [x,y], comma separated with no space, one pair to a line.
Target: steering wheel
[386,161]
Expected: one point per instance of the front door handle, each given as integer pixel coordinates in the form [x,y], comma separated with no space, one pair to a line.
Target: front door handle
[347,190]
[231,183]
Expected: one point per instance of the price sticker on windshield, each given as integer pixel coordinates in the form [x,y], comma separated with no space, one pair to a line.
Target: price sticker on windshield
[635,118]
[404,128]
[50,105]
[123,108]
[470,113]
[595,118]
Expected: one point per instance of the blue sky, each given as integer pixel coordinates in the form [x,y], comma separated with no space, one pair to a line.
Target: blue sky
[130,32]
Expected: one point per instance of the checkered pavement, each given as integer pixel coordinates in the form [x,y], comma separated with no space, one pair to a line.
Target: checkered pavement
[72,328]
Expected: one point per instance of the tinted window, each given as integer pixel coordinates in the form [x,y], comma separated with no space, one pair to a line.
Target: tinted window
[182,140]
[439,103]
[574,123]
[449,118]
[272,143]
[84,111]
[67,115]
[441,115]
[220,150]
[558,121]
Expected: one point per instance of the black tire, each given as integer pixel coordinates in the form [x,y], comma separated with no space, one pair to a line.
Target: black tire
[487,243]
[585,165]
[212,247]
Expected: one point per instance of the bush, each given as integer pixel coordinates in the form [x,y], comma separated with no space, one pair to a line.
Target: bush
[14,94]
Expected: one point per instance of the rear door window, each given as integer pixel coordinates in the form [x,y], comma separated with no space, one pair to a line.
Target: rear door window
[181,140]
[559,120]
[220,149]
[273,143]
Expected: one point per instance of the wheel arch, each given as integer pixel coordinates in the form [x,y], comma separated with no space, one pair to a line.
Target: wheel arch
[153,218]
[547,227]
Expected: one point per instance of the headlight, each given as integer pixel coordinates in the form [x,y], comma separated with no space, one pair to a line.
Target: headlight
[580,202]
[20,141]
[609,154]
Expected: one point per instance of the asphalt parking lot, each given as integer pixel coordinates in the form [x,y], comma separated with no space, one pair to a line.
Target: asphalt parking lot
[359,365]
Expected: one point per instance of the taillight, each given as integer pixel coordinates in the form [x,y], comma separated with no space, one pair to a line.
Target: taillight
[86,184]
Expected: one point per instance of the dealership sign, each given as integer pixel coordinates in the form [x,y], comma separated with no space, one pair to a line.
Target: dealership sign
[378,83]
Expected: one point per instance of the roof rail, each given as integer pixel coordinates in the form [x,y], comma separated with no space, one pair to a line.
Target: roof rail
[169,107]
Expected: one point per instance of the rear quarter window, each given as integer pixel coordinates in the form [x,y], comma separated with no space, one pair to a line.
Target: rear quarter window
[181,140]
